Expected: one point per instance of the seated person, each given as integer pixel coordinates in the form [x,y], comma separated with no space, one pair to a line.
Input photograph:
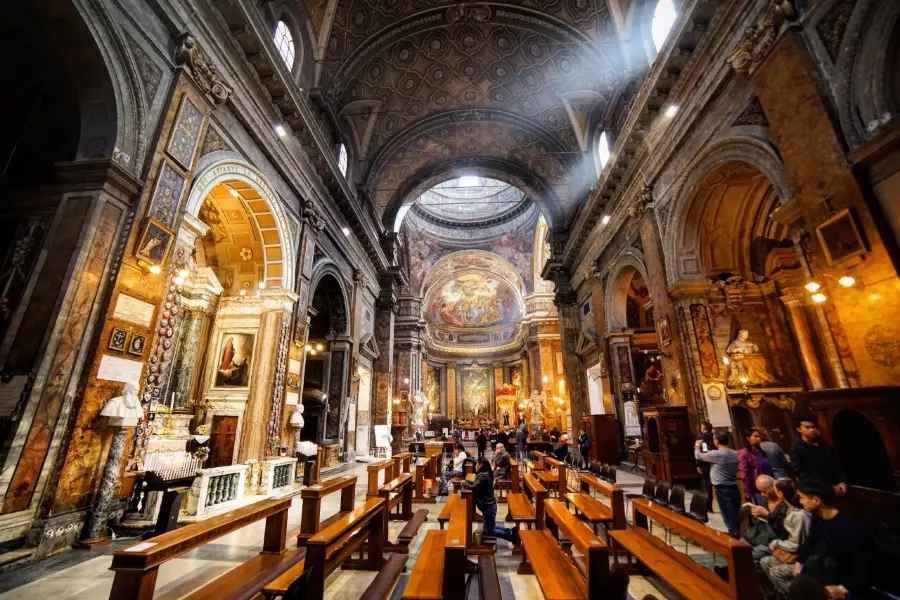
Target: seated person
[779,563]
[766,523]
[835,554]
[501,462]
[562,450]
[485,501]
[459,457]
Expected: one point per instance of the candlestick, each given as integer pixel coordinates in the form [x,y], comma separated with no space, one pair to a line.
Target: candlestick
[172,403]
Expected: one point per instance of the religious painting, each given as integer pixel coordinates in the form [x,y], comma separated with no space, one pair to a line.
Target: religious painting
[517,375]
[185,133]
[154,243]
[475,392]
[648,374]
[664,331]
[473,300]
[709,364]
[433,387]
[840,238]
[136,344]
[117,340]
[232,367]
[167,193]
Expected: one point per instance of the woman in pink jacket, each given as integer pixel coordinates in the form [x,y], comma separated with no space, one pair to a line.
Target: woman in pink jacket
[752,462]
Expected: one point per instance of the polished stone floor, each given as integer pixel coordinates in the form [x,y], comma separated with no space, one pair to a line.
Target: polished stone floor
[86,575]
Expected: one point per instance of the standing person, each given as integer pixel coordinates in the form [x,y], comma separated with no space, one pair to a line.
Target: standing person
[774,453]
[418,434]
[584,444]
[723,474]
[752,462]
[459,457]
[492,439]
[554,434]
[485,501]
[811,458]
[502,438]
[520,443]
[545,437]
[706,437]
[501,462]
[481,441]
[562,450]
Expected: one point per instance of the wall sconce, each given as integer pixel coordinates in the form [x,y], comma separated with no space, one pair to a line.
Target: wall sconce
[406,380]
[813,286]
[726,360]
[546,379]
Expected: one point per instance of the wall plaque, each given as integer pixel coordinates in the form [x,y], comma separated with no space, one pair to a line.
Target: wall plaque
[133,310]
[119,369]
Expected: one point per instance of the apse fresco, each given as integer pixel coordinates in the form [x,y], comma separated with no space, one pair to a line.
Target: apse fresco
[473,300]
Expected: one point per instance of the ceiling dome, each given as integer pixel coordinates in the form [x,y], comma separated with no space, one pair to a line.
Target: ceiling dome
[471,200]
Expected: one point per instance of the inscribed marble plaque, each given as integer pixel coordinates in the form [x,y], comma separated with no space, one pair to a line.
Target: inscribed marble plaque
[292,398]
[120,369]
[166,195]
[185,133]
[133,310]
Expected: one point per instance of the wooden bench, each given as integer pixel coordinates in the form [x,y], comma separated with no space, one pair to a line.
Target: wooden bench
[386,465]
[441,566]
[137,566]
[686,576]
[447,511]
[554,476]
[401,462]
[594,511]
[560,576]
[399,493]
[511,484]
[311,517]
[427,470]
[527,509]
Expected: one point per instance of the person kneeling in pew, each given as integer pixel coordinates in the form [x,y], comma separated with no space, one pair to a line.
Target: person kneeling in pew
[485,501]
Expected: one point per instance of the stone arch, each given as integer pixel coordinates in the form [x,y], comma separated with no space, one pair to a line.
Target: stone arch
[615,295]
[339,308]
[864,89]
[277,228]
[748,151]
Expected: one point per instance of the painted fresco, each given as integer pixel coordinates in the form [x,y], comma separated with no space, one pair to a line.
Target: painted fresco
[473,300]
[709,364]
[475,392]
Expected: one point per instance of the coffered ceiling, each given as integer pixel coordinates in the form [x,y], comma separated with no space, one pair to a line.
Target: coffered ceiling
[425,88]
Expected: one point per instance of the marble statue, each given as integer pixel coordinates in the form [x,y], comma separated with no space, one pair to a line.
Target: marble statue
[418,401]
[747,365]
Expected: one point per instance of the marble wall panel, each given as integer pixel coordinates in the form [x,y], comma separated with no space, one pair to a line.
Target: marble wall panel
[25,237]
[709,363]
[256,413]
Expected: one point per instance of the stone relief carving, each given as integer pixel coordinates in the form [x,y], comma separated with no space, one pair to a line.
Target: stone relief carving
[759,39]
[205,74]
[643,201]
[733,288]
[312,216]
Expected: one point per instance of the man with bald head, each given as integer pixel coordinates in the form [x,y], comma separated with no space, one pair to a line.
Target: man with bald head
[501,462]
[766,522]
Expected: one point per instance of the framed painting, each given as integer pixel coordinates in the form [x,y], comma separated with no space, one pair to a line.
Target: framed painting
[154,243]
[233,360]
[664,331]
[840,238]
[136,344]
[117,340]
[475,392]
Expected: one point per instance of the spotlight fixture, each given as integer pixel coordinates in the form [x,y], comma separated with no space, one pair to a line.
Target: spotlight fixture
[183,273]
[279,129]
[846,281]
[155,269]
[345,231]
[812,287]
[819,298]
[313,352]
[546,379]
[308,347]
[320,347]
[233,192]
[243,293]
[726,360]
[406,380]
[261,285]
[670,112]
[605,220]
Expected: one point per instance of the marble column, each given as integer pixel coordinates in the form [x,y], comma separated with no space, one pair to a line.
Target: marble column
[451,391]
[408,348]
[684,294]
[385,316]
[338,378]
[598,312]
[95,527]
[795,299]
[575,374]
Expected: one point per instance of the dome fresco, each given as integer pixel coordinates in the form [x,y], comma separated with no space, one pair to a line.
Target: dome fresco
[471,199]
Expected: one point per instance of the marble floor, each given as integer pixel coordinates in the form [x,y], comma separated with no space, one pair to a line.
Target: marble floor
[86,575]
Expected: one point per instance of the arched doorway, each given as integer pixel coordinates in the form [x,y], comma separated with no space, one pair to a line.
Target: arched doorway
[327,363]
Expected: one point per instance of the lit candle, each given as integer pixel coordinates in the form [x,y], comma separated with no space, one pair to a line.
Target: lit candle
[172,403]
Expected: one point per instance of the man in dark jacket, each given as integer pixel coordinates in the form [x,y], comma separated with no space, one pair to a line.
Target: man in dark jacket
[584,444]
[562,450]
[554,434]
[503,438]
[501,462]
[485,501]
[481,441]
[813,459]
[520,444]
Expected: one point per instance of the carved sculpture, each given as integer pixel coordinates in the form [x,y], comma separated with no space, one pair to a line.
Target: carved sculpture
[747,365]
[312,215]
[205,74]
[759,39]
[642,202]
[733,288]
[417,402]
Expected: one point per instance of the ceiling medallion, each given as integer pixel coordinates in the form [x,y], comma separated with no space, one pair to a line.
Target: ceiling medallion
[246,254]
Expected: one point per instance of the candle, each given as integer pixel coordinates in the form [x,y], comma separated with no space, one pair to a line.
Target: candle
[172,404]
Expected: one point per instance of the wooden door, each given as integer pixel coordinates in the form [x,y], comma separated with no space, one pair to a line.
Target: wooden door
[221,441]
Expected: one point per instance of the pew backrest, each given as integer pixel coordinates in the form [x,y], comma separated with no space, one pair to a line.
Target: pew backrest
[538,494]
[595,551]
[613,492]
[374,469]
[311,513]
[561,473]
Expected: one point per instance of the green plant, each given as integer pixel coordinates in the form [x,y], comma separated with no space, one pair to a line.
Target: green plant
[202,453]
[202,430]
[274,445]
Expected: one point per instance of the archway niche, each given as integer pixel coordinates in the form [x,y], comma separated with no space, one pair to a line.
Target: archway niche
[326,373]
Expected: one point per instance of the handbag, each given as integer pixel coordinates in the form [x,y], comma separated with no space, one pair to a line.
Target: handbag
[784,557]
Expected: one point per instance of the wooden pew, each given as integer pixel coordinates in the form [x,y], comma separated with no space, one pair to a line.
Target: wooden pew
[688,577]
[560,576]
[427,469]
[401,462]
[594,511]
[554,480]
[311,518]
[527,509]
[136,567]
[537,461]
[374,469]
[447,511]
[441,566]
[512,483]
[399,493]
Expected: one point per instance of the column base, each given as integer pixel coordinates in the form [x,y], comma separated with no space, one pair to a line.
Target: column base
[91,543]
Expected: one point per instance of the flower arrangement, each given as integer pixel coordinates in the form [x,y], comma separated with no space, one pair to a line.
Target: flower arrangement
[163,409]
[202,453]
[274,445]
[202,430]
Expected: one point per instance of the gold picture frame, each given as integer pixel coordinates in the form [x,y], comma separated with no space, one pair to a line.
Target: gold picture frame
[118,340]
[840,238]
[154,243]
[664,331]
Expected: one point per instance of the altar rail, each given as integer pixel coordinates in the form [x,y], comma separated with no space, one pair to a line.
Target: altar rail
[216,490]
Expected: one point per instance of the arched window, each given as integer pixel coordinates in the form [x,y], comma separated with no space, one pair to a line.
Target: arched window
[284,42]
[603,149]
[663,19]
[342,159]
